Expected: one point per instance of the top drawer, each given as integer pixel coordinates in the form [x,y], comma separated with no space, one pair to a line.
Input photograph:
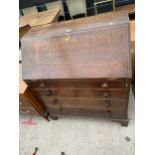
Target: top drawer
[95,84]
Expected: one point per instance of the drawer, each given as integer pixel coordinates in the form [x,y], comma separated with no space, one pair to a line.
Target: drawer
[89,111]
[84,84]
[83,103]
[30,111]
[81,93]
[87,107]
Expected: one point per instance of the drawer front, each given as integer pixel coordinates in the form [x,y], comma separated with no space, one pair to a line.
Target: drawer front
[121,114]
[30,111]
[84,84]
[83,103]
[82,93]
[87,107]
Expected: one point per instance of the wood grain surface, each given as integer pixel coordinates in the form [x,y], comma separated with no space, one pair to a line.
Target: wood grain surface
[130,8]
[93,47]
[132,29]
[22,84]
[41,18]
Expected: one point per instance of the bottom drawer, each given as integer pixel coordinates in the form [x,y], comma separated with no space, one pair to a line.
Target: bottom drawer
[86,107]
[106,113]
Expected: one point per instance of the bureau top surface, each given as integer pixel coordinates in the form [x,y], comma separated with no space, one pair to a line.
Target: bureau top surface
[92,47]
[82,24]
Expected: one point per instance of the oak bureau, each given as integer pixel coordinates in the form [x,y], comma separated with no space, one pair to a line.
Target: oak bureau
[81,67]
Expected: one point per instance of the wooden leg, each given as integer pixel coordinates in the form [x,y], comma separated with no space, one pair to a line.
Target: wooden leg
[54,117]
[124,123]
[46,116]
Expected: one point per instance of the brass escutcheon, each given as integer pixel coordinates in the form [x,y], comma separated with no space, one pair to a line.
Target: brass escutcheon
[66,37]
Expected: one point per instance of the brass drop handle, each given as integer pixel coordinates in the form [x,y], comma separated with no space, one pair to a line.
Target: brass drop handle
[42,85]
[48,93]
[126,85]
[107,103]
[105,94]
[108,113]
[105,85]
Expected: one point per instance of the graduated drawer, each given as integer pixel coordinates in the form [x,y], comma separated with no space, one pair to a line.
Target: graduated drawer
[86,107]
[104,84]
[83,103]
[113,114]
[98,93]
